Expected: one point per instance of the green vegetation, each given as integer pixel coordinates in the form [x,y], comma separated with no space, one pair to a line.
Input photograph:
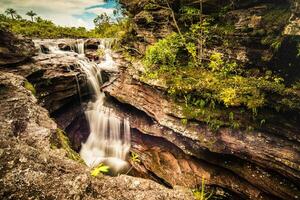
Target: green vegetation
[100,169]
[41,28]
[104,28]
[11,12]
[30,87]
[31,14]
[200,194]
[134,157]
[207,85]
[60,140]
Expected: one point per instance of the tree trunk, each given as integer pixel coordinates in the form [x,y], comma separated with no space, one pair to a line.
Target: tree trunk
[201,34]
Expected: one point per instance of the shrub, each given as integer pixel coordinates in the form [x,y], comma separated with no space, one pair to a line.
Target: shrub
[164,52]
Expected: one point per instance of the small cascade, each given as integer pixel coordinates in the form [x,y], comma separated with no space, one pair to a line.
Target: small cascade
[108,63]
[79,47]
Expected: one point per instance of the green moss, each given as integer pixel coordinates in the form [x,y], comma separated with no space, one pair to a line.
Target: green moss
[60,140]
[30,87]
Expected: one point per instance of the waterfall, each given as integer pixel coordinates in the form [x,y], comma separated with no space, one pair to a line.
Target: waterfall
[109,139]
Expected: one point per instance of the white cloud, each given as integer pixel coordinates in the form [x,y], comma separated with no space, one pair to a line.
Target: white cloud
[61,12]
[96,11]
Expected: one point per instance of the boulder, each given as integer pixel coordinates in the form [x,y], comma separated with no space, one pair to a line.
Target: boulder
[14,49]
[92,44]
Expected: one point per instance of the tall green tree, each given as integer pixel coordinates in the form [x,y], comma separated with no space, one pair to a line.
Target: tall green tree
[31,14]
[11,12]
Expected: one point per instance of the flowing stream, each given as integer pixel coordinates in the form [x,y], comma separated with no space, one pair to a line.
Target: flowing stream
[109,139]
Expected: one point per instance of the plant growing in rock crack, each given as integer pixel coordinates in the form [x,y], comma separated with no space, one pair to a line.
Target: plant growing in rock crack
[100,169]
[200,194]
[134,157]
[30,87]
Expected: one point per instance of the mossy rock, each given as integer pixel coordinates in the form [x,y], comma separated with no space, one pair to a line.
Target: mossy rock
[60,140]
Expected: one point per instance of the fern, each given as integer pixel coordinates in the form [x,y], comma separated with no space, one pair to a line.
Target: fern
[101,168]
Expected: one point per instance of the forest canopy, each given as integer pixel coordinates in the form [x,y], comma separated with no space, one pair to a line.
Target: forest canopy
[38,27]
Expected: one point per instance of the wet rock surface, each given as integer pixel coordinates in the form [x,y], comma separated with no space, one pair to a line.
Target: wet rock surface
[247,165]
[266,159]
[57,79]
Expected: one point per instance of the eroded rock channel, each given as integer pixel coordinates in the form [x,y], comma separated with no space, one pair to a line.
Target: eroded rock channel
[32,163]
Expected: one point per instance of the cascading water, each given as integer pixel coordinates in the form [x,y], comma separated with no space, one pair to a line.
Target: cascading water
[108,142]
[108,63]
[79,47]
[109,139]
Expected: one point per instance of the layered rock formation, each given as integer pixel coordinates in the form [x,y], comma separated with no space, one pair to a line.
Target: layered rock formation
[254,165]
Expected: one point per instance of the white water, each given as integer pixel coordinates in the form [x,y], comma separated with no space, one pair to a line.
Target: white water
[76,46]
[109,139]
[79,47]
[108,63]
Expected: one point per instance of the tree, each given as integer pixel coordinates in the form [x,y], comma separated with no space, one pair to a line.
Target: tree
[31,14]
[39,19]
[11,12]
[102,19]
[200,40]
[18,17]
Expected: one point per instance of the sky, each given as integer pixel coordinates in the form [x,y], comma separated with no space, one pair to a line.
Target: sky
[63,12]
